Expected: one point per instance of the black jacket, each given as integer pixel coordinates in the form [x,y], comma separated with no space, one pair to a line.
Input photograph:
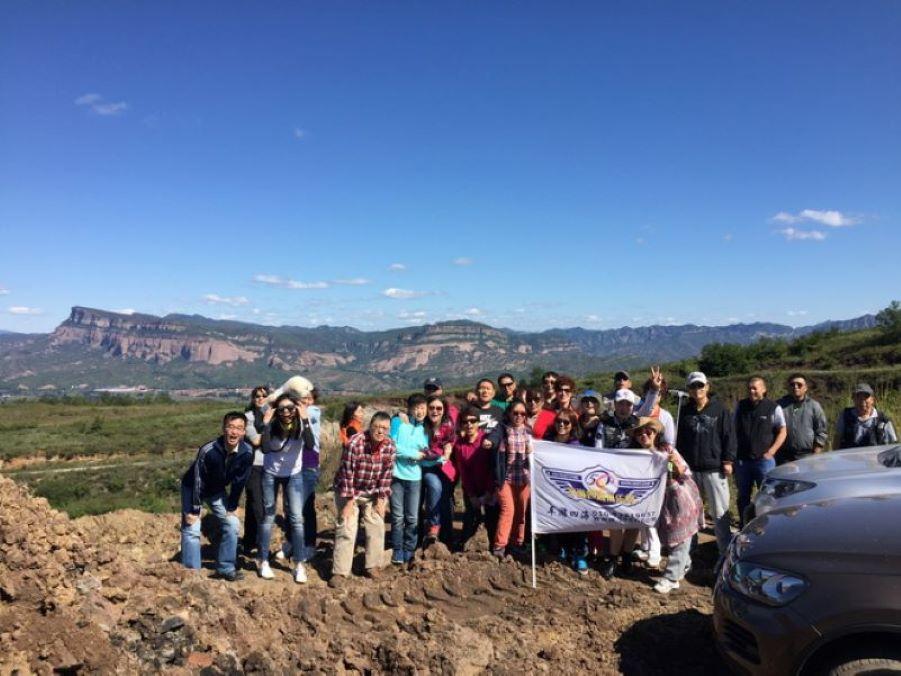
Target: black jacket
[214,470]
[706,439]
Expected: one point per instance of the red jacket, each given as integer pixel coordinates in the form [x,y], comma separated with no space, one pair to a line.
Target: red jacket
[474,466]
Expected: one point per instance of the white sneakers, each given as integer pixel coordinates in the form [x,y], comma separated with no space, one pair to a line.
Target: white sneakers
[265,571]
[665,586]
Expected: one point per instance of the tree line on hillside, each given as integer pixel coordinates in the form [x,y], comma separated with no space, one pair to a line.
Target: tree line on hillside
[724,359]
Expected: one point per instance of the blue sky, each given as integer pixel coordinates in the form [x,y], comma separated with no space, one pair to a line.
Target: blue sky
[528,164]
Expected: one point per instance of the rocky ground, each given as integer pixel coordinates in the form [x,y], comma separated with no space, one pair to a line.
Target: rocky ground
[103,594]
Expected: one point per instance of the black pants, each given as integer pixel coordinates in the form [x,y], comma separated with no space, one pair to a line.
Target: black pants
[473,517]
[254,512]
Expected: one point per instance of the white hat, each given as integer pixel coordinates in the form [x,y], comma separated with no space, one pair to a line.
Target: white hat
[297,387]
[625,395]
[695,377]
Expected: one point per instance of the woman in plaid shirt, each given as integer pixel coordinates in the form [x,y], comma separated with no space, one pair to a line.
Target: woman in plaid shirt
[513,479]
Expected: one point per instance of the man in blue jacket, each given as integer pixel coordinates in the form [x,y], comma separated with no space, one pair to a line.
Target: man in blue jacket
[216,477]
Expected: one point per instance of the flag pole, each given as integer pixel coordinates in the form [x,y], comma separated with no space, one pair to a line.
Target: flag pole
[532,510]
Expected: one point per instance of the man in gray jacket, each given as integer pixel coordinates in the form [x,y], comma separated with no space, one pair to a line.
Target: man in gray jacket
[805,421]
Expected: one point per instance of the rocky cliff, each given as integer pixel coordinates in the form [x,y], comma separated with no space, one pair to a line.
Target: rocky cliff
[96,348]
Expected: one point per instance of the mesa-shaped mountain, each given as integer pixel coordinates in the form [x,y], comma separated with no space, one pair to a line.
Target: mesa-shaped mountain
[98,348]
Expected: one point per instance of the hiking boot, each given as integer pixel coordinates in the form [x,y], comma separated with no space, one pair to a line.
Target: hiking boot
[337,581]
[265,570]
[373,573]
[499,552]
[230,576]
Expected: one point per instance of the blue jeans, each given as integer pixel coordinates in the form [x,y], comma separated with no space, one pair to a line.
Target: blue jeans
[437,495]
[404,515]
[310,479]
[748,474]
[190,534]
[293,487]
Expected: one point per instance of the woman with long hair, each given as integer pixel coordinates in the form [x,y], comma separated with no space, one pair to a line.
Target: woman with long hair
[286,435]
[564,388]
[351,422]
[438,489]
[254,512]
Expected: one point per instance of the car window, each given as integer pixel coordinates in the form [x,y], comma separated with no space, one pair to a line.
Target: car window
[890,457]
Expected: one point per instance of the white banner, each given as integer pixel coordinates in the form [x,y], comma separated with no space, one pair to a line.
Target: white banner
[577,489]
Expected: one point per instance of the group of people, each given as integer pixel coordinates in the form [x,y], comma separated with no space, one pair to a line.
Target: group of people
[406,468]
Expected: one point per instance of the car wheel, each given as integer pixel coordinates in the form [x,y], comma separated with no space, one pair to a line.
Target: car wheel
[873,660]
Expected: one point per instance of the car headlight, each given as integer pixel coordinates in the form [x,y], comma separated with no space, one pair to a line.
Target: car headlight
[780,488]
[766,585]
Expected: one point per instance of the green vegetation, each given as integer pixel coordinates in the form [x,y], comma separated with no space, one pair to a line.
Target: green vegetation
[70,427]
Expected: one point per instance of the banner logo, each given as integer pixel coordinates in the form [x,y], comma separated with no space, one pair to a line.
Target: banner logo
[600,486]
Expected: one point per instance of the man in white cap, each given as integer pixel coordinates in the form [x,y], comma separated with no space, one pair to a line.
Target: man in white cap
[706,440]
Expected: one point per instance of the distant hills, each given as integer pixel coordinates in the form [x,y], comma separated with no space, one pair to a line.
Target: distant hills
[97,348]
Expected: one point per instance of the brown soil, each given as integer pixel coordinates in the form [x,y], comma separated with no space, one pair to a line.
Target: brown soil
[103,594]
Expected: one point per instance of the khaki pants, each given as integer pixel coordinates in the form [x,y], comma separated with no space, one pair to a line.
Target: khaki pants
[346,535]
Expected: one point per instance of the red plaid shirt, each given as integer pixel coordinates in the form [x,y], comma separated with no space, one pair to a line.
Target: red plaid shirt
[365,470]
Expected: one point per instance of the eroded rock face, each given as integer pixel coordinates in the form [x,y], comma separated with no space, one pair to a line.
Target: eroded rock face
[103,594]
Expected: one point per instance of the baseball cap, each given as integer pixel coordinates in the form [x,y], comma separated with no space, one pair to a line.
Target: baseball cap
[863,388]
[591,394]
[622,375]
[432,384]
[624,395]
[695,377]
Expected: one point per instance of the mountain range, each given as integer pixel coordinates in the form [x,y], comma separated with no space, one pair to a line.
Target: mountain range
[97,348]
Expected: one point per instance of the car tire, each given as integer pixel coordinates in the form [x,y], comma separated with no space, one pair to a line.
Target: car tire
[880,662]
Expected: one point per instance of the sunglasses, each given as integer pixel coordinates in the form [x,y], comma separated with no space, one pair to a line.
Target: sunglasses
[436,408]
[563,423]
[564,389]
[287,409]
[260,395]
[697,386]
[510,384]
[470,421]
[796,384]
[518,414]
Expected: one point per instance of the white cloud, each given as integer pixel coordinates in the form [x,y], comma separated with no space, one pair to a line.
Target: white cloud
[99,106]
[727,237]
[639,240]
[403,293]
[355,281]
[125,311]
[792,234]
[592,318]
[22,310]
[275,280]
[299,133]
[796,313]
[473,312]
[463,261]
[3,291]
[831,218]
[225,300]
[397,267]
[227,317]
